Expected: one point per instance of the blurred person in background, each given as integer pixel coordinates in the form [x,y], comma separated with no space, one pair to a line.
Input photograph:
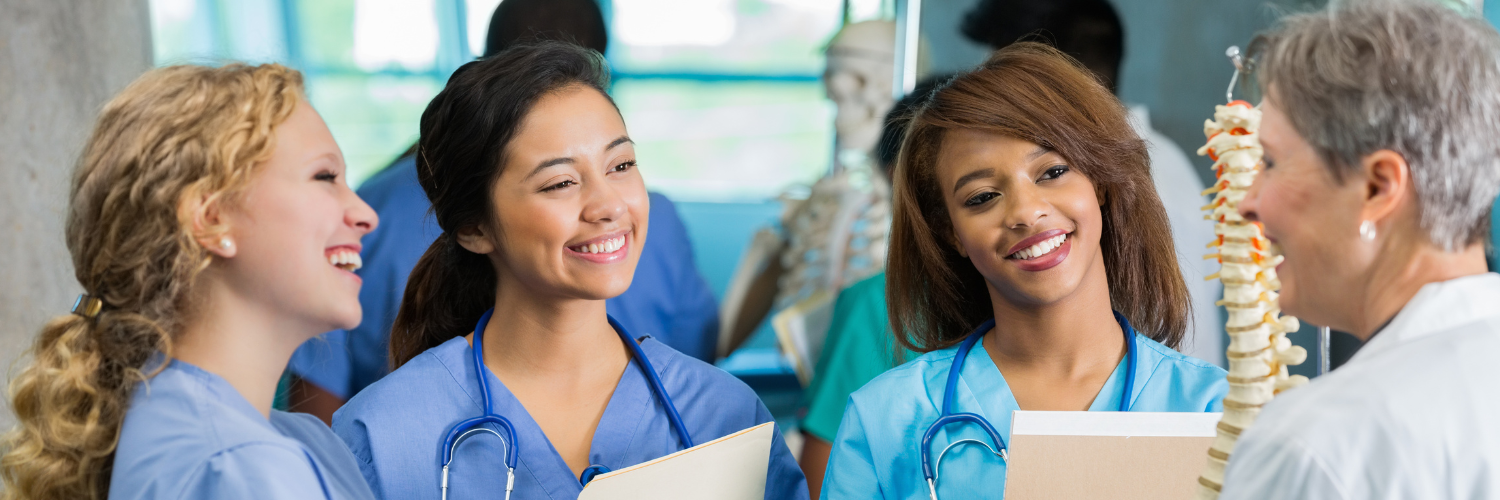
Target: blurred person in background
[668,300]
[1091,31]
[1379,173]
[859,345]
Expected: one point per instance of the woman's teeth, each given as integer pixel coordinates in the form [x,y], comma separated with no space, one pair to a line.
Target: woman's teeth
[606,246]
[346,260]
[1045,247]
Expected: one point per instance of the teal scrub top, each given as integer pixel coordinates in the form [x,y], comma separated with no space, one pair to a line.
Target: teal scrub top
[859,347]
[877,452]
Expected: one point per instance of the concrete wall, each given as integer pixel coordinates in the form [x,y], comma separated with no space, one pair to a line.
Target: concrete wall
[60,60]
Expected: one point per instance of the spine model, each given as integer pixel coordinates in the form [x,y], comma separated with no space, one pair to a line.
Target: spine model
[1259,351]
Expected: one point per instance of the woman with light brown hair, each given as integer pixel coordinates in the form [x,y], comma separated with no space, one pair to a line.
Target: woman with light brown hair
[212,232]
[1025,208]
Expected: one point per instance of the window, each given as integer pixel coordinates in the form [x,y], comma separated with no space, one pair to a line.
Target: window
[722,96]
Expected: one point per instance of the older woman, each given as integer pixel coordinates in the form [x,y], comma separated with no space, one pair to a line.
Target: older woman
[1381,164]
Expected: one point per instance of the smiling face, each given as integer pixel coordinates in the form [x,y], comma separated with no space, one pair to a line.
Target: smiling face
[569,209]
[1028,221]
[295,231]
[1312,217]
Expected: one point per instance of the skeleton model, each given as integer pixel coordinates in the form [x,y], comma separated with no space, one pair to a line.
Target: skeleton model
[837,235]
[1259,351]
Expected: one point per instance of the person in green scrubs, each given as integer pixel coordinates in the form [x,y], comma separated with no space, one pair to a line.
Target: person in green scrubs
[859,345]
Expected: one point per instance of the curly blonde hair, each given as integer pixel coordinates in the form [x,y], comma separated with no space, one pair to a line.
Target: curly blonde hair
[176,142]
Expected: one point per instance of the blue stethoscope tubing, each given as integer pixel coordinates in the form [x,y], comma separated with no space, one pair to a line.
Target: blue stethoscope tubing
[929,469]
[470,426]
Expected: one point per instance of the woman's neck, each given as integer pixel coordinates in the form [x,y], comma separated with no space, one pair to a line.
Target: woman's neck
[241,341]
[536,337]
[1063,335]
[1400,271]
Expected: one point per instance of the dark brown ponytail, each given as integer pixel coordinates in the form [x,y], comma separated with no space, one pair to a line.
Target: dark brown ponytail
[464,134]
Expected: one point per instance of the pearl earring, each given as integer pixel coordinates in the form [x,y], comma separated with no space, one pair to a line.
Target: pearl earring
[225,243]
[1367,231]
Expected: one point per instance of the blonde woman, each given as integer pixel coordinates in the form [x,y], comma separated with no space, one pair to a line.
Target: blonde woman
[213,232]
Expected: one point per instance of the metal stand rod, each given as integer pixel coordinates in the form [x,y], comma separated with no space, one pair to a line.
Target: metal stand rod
[908,32]
[1324,357]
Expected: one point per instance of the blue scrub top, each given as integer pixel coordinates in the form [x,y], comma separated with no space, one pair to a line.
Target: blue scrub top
[668,299]
[396,427]
[877,452]
[189,434]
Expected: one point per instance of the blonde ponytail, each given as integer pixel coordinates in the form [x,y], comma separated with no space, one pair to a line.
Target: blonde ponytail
[177,134]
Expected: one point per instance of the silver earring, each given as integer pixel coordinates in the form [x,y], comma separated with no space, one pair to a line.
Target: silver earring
[225,243]
[1367,231]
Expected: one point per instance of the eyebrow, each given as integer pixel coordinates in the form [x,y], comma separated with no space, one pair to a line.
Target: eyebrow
[569,161]
[982,173]
[971,177]
[617,142]
[1038,152]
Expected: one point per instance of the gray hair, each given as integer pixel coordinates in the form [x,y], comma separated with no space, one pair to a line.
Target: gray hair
[1418,78]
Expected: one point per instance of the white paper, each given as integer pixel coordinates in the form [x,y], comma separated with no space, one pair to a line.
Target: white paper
[732,467]
[801,330]
[1113,423]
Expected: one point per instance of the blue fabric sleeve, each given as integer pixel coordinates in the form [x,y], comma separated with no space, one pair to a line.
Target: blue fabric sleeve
[256,471]
[784,479]
[695,324]
[1219,390]
[851,470]
[353,433]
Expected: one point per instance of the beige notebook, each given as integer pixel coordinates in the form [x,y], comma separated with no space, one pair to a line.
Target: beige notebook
[1104,454]
[732,467]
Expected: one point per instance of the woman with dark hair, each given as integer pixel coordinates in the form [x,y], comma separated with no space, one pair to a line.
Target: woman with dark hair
[502,336]
[1024,207]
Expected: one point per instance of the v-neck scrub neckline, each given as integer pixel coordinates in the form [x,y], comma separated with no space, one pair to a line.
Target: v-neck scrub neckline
[876,453]
[396,426]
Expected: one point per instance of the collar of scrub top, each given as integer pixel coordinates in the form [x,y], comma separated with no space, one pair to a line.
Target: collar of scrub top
[465,428]
[929,467]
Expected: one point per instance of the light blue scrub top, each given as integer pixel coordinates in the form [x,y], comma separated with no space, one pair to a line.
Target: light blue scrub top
[668,299]
[190,435]
[878,450]
[396,427]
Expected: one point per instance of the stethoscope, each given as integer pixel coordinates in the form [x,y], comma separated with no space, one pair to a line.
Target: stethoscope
[929,468]
[471,426]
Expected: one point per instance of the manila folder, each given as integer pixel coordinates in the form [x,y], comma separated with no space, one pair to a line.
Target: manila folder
[1068,455]
[732,467]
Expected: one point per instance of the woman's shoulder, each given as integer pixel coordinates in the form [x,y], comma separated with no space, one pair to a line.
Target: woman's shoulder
[683,373]
[338,466]
[195,410]
[1181,382]
[910,379]
[306,429]
[1179,361]
[180,422]
[430,376]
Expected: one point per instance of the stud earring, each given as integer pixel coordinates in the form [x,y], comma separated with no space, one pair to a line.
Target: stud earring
[225,243]
[1367,231]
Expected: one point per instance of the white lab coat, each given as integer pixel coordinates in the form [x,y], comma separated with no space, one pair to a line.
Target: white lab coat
[1181,192]
[1415,413]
